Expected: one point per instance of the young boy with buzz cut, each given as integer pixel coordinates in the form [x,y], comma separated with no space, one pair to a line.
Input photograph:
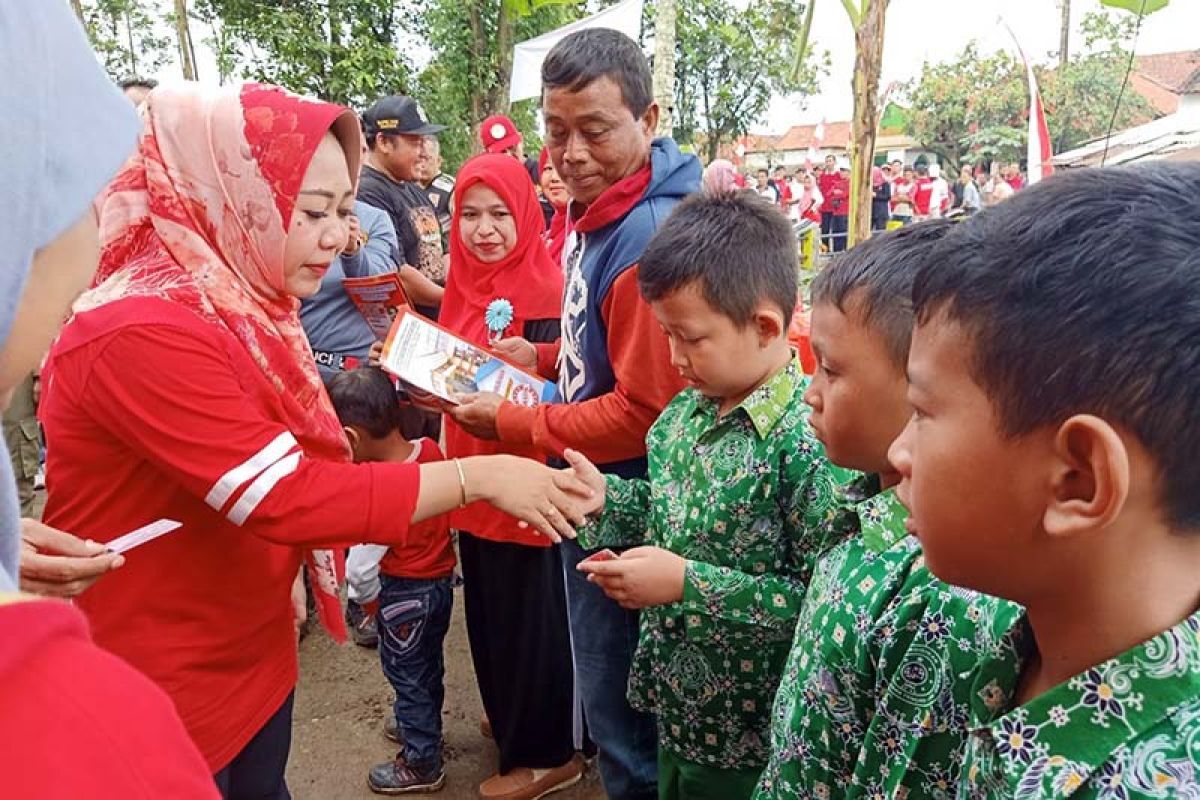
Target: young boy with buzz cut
[1051,460]
[736,507]
[868,705]
[407,589]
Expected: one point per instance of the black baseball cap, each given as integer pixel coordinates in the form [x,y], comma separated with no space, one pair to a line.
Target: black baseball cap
[397,113]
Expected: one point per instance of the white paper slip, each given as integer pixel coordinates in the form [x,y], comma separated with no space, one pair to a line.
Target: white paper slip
[142,535]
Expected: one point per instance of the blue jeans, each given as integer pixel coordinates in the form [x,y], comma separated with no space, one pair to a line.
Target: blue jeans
[604,636]
[414,615]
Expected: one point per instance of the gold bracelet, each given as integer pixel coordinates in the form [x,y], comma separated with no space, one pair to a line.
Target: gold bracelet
[462,485]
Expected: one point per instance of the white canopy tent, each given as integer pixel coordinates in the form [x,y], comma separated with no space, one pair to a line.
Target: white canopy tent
[528,56]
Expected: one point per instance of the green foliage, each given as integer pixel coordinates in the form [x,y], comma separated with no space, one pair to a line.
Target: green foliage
[124,35]
[730,59]
[345,51]
[975,108]
[1136,6]
[468,77]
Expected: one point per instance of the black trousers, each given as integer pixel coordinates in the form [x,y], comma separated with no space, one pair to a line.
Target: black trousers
[257,772]
[516,611]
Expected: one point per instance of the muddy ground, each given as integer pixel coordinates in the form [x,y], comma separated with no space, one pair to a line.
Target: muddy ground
[341,703]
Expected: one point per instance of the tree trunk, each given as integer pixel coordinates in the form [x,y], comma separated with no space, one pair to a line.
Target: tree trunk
[133,67]
[77,7]
[664,65]
[474,92]
[868,62]
[1064,32]
[504,57]
[183,32]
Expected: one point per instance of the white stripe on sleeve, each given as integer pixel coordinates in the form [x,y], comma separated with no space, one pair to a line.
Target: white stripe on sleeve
[233,480]
[261,487]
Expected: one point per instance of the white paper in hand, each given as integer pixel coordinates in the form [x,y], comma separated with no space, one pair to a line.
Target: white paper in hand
[142,535]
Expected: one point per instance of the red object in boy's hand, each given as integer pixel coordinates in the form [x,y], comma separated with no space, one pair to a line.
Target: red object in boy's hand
[603,555]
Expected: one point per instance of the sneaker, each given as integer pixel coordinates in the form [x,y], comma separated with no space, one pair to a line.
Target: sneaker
[530,784]
[398,777]
[363,630]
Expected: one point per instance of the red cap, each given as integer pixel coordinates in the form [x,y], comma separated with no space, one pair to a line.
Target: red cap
[497,134]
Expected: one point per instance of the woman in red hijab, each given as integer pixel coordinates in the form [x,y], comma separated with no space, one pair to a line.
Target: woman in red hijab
[513,586]
[555,192]
[183,388]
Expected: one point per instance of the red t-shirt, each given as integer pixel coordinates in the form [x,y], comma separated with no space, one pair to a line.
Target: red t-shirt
[151,412]
[428,552]
[80,722]
[922,194]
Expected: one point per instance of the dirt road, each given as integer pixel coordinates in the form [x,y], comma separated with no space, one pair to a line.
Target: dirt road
[340,707]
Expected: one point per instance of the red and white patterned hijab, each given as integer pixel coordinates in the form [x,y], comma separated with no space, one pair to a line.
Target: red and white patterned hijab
[199,216]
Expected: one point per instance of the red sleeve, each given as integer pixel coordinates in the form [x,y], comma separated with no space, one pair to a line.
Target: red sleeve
[547,358]
[611,427]
[173,399]
[126,738]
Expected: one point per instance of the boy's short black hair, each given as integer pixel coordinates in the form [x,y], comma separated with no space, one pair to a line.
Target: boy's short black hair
[366,398]
[587,55]
[738,247]
[878,275]
[1081,294]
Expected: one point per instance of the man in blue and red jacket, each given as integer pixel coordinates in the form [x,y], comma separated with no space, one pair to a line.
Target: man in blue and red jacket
[613,363]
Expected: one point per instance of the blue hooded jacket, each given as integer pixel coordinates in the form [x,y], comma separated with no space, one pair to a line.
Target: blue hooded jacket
[594,260]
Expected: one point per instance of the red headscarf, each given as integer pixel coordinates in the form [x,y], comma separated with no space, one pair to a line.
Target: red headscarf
[199,217]
[526,277]
[556,234]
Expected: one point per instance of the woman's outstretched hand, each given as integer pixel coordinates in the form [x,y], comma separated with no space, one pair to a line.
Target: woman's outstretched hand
[56,564]
[551,500]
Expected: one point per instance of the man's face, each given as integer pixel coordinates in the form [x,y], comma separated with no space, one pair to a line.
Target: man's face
[909,174]
[136,95]
[781,174]
[593,138]
[761,179]
[400,155]
[977,531]
[830,164]
[897,167]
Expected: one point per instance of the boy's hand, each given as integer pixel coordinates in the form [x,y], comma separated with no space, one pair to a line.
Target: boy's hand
[476,414]
[586,471]
[641,577]
[375,354]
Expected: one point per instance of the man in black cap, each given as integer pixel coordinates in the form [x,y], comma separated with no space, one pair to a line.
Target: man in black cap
[396,135]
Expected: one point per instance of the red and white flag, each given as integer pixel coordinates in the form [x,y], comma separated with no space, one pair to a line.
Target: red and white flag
[813,155]
[1037,146]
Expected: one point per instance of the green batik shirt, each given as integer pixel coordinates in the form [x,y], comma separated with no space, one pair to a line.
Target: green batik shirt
[747,499]
[869,705]
[1128,728]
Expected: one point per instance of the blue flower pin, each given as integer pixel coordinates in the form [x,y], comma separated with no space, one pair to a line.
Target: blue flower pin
[497,317]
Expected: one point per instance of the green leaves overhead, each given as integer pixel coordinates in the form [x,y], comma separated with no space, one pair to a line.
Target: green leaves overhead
[1136,6]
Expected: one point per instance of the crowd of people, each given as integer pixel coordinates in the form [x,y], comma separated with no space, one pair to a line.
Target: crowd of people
[958,559]
[900,194]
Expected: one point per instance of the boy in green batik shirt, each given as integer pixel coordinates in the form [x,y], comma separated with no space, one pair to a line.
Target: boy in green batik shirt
[869,705]
[1052,460]
[737,504]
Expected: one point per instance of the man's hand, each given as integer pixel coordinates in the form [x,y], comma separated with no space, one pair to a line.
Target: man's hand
[586,471]
[56,564]
[641,577]
[517,351]
[476,414]
[354,236]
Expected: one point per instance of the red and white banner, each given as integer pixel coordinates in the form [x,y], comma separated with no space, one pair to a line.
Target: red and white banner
[1037,146]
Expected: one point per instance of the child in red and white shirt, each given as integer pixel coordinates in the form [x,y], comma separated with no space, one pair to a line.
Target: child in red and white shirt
[412,597]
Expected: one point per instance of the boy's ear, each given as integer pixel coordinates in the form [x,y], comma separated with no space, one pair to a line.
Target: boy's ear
[353,437]
[769,323]
[1090,478]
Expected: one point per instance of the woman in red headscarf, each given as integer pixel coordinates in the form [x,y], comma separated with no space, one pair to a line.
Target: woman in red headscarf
[513,582]
[183,388]
[555,192]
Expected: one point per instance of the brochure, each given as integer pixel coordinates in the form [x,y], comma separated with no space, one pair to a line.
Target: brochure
[379,298]
[426,355]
